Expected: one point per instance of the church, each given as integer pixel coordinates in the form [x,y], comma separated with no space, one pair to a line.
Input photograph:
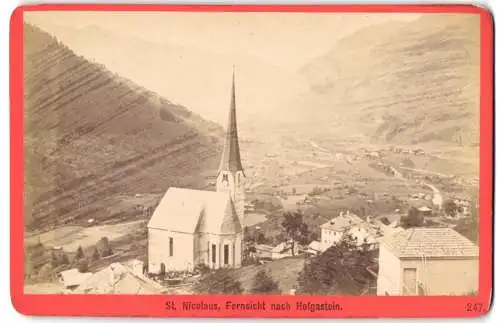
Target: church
[192,227]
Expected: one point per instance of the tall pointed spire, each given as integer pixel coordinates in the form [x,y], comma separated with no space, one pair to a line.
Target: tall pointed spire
[231,160]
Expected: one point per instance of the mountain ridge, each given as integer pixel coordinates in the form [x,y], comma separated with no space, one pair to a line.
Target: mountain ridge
[408,83]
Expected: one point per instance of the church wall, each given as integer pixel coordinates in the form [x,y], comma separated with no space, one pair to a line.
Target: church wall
[159,250]
[203,250]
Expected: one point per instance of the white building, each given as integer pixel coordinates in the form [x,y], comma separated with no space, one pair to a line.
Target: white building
[191,227]
[334,230]
[427,261]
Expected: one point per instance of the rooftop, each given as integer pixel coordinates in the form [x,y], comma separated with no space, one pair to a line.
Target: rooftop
[189,211]
[342,222]
[73,277]
[118,279]
[430,242]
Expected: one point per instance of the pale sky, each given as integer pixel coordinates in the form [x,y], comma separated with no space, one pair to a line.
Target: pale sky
[188,57]
[287,40]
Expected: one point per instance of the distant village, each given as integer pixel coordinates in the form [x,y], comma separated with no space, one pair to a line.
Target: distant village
[197,237]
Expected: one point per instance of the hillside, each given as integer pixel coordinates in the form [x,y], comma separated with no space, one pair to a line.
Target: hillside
[92,137]
[407,82]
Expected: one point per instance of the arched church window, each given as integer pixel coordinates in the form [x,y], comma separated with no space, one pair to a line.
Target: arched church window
[225,178]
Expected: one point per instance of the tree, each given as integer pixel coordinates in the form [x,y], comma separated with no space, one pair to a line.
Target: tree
[450,208]
[59,258]
[104,247]
[263,284]
[95,255]
[79,253]
[468,226]
[295,228]
[82,265]
[340,270]
[261,238]
[413,219]
[221,282]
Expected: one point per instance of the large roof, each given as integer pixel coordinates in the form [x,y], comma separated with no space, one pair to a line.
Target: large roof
[230,160]
[189,211]
[73,277]
[118,279]
[430,242]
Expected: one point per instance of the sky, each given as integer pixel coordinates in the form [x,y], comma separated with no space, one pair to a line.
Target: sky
[286,40]
[187,57]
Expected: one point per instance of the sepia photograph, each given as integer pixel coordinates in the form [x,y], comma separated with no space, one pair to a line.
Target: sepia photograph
[252,153]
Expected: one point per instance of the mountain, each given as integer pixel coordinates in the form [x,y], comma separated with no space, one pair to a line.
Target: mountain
[91,135]
[399,82]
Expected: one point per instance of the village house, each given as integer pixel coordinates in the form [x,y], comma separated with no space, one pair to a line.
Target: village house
[193,227]
[284,249]
[427,261]
[120,279]
[334,230]
[314,248]
[72,278]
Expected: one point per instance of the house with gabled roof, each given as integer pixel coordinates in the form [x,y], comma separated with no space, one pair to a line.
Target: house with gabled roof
[333,231]
[427,261]
[119,279]
[195,227]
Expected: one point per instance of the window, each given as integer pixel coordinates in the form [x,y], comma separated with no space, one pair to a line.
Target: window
[409,281]
[214,258]
[226,254]
[171,246]
[225,178]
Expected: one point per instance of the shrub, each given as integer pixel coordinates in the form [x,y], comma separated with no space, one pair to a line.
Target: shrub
[45,272]
[263,284]
[201,268]
[79,253]
[95,255]
[221,281]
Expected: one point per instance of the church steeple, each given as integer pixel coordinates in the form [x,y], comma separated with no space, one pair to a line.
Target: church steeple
[230,176]
[230,160]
